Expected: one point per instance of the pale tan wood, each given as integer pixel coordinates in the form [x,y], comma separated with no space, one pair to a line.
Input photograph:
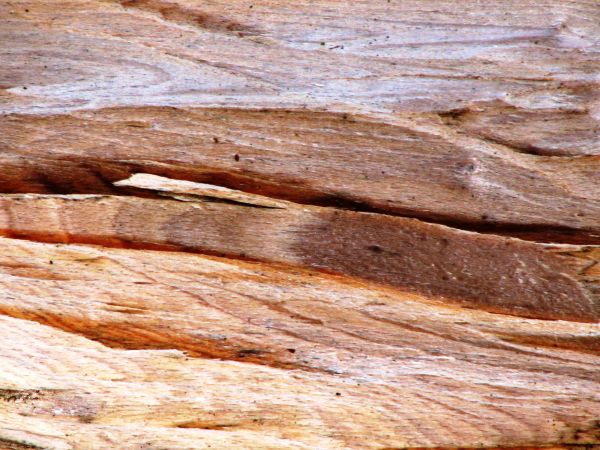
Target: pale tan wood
[409,373]
[445,104]
[490,272]
[406,164]
[186,190]
[274,289]
[416,55]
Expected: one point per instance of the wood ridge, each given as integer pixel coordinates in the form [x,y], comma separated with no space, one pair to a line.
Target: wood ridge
[494,273]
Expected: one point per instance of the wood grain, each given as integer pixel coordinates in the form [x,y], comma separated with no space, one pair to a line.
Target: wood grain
[452,110]
[409,372]
[388,56]
[490,272]
[300,225]
[412,166]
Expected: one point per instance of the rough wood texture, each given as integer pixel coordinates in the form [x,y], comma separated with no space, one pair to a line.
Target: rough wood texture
[413,166]
[300,225]
[408,372]
[490,272]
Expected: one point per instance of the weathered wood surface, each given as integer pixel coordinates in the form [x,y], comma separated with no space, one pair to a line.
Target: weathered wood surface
[408,372]
[494,273]
[354,225]
[412,166]
[450,108]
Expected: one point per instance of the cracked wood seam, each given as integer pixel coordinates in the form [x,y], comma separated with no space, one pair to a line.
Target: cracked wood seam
[493,273]
[485,118]
[349,226]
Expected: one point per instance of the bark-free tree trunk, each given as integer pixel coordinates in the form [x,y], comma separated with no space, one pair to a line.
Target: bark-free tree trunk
[299,225]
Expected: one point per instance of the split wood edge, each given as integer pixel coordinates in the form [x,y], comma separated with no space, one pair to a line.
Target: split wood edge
[493,273]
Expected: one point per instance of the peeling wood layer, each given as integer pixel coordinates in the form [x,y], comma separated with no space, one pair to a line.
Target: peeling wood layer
[489,272]
[263,224]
